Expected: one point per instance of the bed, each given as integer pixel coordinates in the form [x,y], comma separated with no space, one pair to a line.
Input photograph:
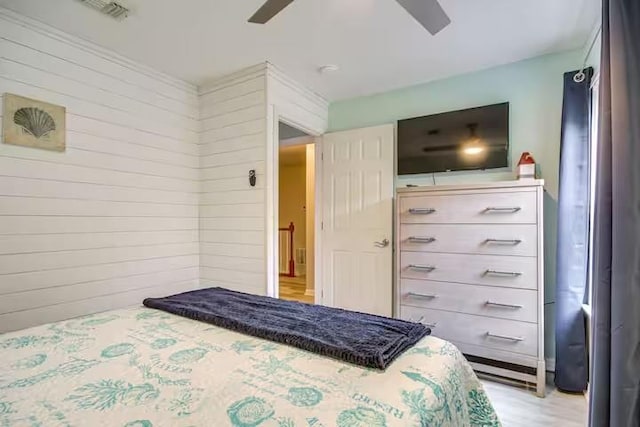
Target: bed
[143,367]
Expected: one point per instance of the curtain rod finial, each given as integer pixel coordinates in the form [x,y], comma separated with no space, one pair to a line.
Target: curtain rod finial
[579,76]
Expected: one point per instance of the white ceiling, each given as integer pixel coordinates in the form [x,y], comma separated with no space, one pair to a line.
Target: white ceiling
[377,45]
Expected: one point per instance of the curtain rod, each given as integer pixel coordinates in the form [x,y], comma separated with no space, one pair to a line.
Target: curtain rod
[580,75]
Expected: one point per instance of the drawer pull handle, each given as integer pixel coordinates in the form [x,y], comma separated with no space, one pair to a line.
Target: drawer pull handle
[505,337]
[499,304]
[414,239]
[421,211]
[502,273]
[420,320]
[502,210]
[504,241]
[416,295]
[428,268]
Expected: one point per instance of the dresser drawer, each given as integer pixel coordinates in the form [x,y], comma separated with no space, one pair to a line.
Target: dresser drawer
[495,239]
[499,334]
[490,270]
[512,304]
[488,208]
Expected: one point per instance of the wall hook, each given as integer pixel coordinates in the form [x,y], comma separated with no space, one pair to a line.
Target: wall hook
[252,177]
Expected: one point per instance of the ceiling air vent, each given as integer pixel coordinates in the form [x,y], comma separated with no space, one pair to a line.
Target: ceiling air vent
[110,8]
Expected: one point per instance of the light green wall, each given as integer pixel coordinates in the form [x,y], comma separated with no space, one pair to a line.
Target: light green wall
[534,90]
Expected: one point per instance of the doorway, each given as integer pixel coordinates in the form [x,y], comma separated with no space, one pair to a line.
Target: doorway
[296,215]
[348,217]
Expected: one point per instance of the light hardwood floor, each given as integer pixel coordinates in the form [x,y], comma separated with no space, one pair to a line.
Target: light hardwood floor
[293,289]
[518,407]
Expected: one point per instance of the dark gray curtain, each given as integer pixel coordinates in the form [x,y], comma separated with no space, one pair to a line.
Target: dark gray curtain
[615,373]
[573,233]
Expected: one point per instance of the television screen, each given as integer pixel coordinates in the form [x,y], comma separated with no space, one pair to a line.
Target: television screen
[476,138]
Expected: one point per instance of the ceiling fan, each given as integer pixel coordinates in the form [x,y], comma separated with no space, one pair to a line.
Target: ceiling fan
[428,13]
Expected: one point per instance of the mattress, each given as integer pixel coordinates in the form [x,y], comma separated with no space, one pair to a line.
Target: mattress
[142,367]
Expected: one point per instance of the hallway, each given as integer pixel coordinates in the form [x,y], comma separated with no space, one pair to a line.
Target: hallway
[293,289]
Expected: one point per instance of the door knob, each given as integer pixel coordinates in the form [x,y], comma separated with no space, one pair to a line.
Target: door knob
[382,244]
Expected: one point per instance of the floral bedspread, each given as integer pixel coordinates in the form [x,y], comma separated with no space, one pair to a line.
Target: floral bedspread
[141,367]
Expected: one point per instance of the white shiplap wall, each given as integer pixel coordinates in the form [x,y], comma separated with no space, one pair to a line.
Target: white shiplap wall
[295,104]
[236,220]
[113,219]
[232,213]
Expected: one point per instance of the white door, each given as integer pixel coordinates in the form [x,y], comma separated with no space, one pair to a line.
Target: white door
[357,205]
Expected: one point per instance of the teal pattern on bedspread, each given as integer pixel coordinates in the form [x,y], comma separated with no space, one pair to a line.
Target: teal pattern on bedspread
[145,368]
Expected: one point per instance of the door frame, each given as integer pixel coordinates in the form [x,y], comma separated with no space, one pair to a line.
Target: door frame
[274,117]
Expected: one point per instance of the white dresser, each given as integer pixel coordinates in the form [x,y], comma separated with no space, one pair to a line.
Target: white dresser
[469,263]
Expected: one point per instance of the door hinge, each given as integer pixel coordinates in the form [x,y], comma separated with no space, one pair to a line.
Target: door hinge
[322,156]
[321,225]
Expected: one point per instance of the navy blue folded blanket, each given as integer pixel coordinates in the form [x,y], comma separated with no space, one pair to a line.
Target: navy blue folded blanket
[358,338]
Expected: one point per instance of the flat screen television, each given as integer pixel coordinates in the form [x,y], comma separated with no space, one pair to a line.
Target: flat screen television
[471,139]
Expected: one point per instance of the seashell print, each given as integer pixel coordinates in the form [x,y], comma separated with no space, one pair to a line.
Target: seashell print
[249,412]
[304,396]
[34,121]
[117,350]
[361,417]
[188,356]
[161,343]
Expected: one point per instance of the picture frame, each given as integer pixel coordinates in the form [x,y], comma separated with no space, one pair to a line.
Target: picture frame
[32,123]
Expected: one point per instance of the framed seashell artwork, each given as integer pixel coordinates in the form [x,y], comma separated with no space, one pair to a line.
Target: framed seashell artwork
[32,123]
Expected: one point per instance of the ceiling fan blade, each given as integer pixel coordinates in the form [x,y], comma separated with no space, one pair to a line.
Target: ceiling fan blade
[268,10]
[428,13]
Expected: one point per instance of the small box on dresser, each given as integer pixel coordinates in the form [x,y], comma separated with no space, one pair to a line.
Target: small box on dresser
[469,263]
